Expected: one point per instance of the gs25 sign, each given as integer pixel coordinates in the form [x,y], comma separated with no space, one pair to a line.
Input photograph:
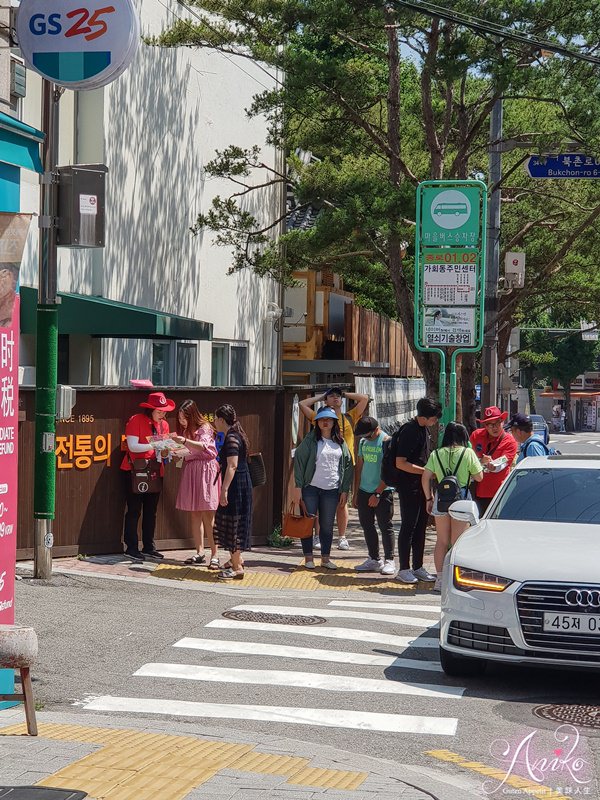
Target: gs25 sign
[79,44]
[90,26]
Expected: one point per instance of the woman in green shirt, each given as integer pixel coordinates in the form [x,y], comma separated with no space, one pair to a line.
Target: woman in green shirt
[454,457]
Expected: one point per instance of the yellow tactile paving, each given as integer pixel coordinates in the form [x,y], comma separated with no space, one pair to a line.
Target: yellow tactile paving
[267,764]
[132,764]
[534,789]
[343,578]
[328,778]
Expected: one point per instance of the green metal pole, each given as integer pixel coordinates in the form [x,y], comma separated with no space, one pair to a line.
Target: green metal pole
[46,344]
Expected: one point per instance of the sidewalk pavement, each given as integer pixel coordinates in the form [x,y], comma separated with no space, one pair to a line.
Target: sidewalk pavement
[155,760]
[266,568]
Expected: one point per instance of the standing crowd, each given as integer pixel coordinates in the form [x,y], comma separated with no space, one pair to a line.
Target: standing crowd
[344,455]
[215,487]
[329,461]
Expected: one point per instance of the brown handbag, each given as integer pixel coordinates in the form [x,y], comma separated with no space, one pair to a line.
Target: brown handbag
[145,476]
[298,527]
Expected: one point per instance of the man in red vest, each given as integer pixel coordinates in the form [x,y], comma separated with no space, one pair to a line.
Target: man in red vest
[490,442]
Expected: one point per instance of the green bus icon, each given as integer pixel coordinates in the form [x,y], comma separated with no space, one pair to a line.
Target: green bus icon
[445,209]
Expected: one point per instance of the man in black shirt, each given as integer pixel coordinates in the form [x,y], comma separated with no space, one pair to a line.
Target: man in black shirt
[413,447]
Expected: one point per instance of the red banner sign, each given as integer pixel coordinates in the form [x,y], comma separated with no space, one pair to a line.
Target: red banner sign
[13,232]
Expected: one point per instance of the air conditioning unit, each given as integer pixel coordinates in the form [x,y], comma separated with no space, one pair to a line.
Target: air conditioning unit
[26,376]
[18,77]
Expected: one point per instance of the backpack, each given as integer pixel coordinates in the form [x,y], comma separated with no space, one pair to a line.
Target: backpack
[550,451]
[390,474]
[449,489]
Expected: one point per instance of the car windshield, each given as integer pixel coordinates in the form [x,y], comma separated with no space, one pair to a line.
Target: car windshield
[537,419]
[551,495]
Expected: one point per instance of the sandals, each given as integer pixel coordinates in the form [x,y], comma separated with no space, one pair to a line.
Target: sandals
[214,564]
[229,565]
[197,560]
[231,575]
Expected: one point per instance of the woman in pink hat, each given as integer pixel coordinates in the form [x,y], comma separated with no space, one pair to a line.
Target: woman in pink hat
[150,422]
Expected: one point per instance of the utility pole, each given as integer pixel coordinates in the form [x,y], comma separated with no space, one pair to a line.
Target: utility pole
[46,342]
[489,367]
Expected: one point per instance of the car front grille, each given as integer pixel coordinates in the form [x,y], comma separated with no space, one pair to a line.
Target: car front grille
[534,599]
[491,639]
[487,638]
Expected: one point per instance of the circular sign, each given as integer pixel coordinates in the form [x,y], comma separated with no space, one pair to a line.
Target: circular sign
[78,44]
[450,209]
[48,540]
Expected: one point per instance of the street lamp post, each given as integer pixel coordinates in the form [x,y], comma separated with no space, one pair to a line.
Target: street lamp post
[489,389]
[46,342]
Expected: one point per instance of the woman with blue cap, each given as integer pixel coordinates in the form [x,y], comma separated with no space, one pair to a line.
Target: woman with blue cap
[323,475]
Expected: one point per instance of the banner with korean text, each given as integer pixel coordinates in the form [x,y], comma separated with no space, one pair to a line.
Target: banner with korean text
[13,233]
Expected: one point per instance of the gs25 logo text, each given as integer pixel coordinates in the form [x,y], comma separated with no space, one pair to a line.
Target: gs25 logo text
[80,23]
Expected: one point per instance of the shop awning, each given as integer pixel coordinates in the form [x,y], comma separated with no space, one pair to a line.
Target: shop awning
[97,316]
[20,144]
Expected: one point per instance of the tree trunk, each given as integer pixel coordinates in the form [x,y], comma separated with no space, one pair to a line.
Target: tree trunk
[467,390]
[569,425]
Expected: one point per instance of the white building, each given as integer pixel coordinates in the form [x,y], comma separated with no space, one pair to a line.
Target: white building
[155,128]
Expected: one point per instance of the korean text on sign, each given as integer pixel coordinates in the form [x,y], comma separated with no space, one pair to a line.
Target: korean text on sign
[81,450]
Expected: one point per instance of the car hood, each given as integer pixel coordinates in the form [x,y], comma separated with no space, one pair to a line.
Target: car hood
[532,551]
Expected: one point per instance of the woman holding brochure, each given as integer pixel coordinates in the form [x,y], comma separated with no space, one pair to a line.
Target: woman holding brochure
[200,484]
[138,432]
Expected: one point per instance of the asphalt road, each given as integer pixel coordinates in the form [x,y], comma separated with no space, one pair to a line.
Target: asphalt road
[576,443]
[96,634]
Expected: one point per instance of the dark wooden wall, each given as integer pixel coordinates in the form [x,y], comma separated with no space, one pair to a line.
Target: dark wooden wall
[90,502]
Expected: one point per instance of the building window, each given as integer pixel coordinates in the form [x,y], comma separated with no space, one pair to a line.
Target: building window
[187,363]
[239,364]
[161,364]
[229,363]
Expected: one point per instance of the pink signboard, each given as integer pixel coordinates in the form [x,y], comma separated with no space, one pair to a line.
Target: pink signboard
[13,232]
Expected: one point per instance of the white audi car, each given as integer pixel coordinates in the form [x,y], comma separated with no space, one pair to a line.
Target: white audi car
[523,584]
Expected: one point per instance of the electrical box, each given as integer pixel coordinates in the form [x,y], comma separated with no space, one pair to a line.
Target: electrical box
[514,270]
[66,397]
[81,203]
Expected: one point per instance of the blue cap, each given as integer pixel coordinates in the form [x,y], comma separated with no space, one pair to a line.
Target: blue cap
[326,413]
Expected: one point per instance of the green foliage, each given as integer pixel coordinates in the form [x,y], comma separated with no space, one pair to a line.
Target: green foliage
[335,103]
[275,539]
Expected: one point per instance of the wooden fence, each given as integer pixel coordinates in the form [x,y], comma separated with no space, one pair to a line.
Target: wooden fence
[374,338]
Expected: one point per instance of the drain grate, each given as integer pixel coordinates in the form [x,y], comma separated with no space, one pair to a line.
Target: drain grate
[575,714]
[285,619]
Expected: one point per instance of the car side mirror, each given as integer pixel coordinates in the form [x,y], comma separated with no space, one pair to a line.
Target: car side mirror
[465,511]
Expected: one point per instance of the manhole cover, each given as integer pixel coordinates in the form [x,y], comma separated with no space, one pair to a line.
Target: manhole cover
[575,714]
[285,619]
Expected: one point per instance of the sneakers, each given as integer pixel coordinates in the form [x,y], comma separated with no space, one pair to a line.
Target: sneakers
[343,543]
[370,565]
[309,565]
[134,555]
[389,567]
[153,554]
[316,543]
[437,586]
[328,565]
[422,575]
[406,576]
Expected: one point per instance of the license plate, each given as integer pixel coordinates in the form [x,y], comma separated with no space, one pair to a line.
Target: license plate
[572,623]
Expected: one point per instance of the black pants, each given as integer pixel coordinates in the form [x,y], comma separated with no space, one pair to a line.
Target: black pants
[482,504]
[414,516]
[384,513]
[143,505]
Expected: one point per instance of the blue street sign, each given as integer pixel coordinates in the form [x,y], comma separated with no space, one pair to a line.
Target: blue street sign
[568,165]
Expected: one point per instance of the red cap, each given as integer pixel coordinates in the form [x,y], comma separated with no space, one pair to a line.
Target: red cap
[159,401]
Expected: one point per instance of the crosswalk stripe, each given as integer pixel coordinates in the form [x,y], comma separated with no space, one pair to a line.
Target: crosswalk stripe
[306,653]
[291,678]
[351,634]
[414,622]
[324,717]
[432,608]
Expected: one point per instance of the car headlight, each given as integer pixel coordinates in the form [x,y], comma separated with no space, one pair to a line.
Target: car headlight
[468,579]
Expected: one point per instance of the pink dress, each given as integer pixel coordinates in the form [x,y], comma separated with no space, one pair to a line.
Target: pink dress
[200,484]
